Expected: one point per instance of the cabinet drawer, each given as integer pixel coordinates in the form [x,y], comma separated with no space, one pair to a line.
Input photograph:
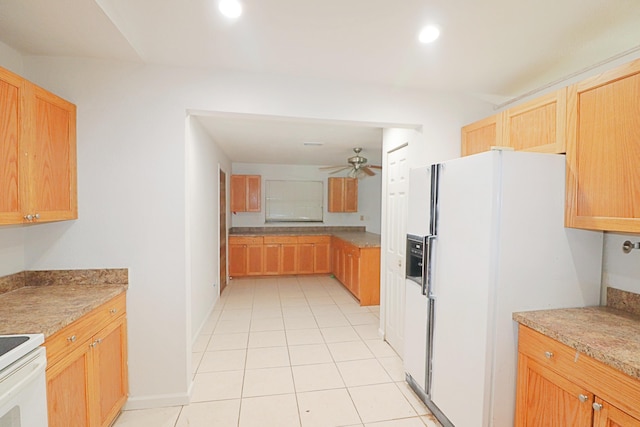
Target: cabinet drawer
[78,333]
[68,339]
[314,239]
[245,240]
[280,239]
[548,352]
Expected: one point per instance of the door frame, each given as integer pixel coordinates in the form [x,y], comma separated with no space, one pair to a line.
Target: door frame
[223,229]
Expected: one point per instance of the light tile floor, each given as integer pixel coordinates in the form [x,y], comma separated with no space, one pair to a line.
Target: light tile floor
[292,351]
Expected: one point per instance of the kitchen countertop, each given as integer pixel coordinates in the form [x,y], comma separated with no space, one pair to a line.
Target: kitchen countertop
[47,309]
[608,335]
[360,238]
[46,301]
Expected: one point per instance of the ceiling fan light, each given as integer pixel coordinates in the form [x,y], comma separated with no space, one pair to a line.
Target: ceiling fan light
[230,8]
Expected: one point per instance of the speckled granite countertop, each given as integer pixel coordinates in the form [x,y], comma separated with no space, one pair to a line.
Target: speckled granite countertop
[51,305]
[354,235]
[606,334]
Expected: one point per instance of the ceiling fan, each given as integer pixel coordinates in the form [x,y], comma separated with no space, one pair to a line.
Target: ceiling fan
[357,166]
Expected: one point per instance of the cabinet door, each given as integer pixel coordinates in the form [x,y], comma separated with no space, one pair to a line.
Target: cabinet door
[289,254]
[545,398]
[603,152]
[238,193]
[254,191]
[52,155]
[11,197]
[237,260]
[322,258]
[338,259]
[255,266]
[610,416]
[538,125]
[272,258]
[109,355]
[354,281]
[350,195]
[482,135]
[305,258]
[336,195]
[68,390]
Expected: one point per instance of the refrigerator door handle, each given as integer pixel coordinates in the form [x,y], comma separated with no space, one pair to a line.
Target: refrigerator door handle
[427,281]
[435,192]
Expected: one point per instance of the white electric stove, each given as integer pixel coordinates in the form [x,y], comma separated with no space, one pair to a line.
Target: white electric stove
[23,389]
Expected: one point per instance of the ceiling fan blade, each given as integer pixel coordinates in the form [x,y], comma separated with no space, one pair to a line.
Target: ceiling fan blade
[368,171]
[374,166]
[339,170]
[333,167]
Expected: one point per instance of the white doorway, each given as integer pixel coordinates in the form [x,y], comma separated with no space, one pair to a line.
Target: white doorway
[395,228]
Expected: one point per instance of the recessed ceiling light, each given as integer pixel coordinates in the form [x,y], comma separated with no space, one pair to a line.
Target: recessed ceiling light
[230,8]
[429,34]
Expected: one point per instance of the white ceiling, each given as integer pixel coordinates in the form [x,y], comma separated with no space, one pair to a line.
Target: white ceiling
[281,141]
[493,49]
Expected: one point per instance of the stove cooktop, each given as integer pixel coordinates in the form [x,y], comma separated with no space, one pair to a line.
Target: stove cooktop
[13,347]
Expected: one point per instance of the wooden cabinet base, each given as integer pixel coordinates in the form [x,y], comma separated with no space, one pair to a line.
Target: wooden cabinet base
[358,269]
[557,386]
[87,373]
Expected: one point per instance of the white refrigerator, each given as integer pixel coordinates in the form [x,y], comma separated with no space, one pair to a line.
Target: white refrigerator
[498,245]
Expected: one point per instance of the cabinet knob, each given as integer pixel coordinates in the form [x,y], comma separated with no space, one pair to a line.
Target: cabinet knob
[72,338]
[36,216]
[583,398]
[113,311]
[95,343]
[28,217]
[597,406]
[548,354]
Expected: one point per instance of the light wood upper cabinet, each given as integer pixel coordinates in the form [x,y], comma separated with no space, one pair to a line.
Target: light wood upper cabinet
[482,135]
[37,153]
[556,386]
[11,162]
[246,193]
[603,152]
[538,125]
[343,195]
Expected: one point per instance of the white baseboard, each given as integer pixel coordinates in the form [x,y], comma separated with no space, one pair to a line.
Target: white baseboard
[158,401]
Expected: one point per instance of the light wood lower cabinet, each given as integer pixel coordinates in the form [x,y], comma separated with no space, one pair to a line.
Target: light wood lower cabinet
[278,255]
[314,254]
[246,256]
[358,269]
[87,378]
[558,387]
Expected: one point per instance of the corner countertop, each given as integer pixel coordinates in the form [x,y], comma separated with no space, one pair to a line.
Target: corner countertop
[353,235]
[609,335]
[43,302]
